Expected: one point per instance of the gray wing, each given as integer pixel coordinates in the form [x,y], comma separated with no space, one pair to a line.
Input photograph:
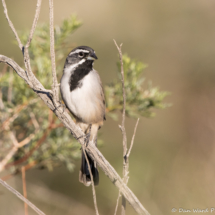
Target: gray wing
[102,96]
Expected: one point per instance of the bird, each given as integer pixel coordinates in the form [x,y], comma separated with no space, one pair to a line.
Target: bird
[83,95]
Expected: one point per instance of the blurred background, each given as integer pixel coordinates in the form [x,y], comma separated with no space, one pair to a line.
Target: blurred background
[173,158]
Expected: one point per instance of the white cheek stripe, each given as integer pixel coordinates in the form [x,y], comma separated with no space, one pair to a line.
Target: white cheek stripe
[78,50]
[73,66]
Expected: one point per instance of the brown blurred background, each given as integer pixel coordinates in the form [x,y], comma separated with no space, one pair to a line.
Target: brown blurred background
[172,162]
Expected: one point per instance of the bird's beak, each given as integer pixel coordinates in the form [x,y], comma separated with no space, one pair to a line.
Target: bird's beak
[92,56]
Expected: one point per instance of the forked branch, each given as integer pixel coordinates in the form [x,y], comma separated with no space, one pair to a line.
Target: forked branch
[122,127]
[91,150]
[16,146]
[126,152]
[64,117]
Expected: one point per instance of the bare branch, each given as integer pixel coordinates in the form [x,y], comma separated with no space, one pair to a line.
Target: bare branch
[124,100]
[50,117]
[24,189]
[4,70]
[11,24]
[117,203]
[14,140]
[10,88]
[132,140]
[8,157]
[5,125]
[27,63]
[93,187]
[91,150]
[36,17]
[37,145]
[33,83]
[1,101]
[52,51]
[27,167]
[34,121]
[14,149]
[43,194]
[27,140]
[19,195]
[122,127]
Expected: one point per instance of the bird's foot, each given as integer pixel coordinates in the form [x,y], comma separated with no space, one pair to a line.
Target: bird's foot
[86,138]
[61,105]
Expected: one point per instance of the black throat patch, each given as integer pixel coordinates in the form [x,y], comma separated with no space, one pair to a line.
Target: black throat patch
[79,73]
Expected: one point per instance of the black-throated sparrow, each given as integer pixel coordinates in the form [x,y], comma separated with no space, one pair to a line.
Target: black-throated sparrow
[83,95]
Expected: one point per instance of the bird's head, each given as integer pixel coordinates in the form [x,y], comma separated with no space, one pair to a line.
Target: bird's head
[81,55]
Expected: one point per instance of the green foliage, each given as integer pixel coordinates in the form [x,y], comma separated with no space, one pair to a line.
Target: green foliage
[52,144]
[40,49]
[57,147]
[139,101]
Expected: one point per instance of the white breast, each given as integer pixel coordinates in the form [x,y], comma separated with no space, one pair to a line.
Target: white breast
[84,102]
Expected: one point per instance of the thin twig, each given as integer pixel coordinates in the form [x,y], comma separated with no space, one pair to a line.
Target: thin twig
[4,70]
[14,140]
[7,158]
[37,145]
[34,121]
[36,17]
[24,189]
[14,149]
[19,195]
[5,125]
[27,62]
[11,152]
[117,203]
[91,150]
[27,139]
[8,176]
[124,100]
[42,193]
[11,24]
[37,87]
[132,140]
[50,117]
[10,88]
[93,187]
[128,154]
[27,167]
[122,127]
[1,101]
[52,51]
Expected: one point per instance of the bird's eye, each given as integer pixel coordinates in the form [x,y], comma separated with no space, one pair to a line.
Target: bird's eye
[81,54]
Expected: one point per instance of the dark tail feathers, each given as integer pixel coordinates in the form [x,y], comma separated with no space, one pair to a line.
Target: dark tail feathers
[84,175]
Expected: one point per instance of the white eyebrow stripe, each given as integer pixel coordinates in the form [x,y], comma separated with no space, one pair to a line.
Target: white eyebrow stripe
[79,50]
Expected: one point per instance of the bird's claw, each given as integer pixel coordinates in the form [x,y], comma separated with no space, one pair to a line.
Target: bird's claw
[63,106]
[86,138]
